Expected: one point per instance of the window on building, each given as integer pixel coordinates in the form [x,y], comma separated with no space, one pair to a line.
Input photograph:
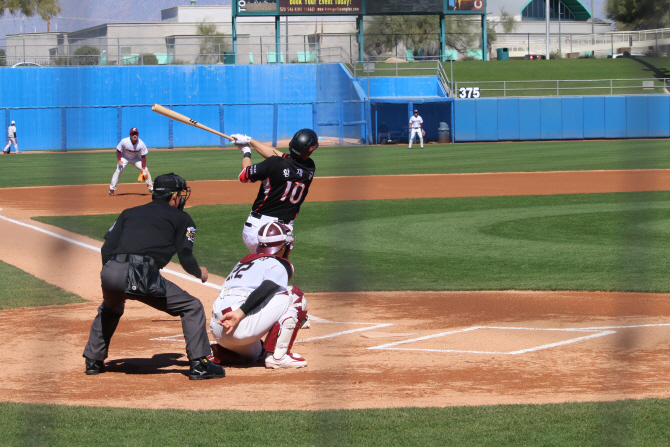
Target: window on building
[536,10]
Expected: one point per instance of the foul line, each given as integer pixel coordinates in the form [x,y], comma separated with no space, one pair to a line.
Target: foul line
[91,247]
[599,332]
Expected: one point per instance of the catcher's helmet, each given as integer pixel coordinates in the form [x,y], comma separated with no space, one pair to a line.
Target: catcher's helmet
[168,184]
[134,131]
[272,237]
[303,144]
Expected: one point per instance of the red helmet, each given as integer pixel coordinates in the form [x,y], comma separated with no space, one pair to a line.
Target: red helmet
[134,131]
[272,237]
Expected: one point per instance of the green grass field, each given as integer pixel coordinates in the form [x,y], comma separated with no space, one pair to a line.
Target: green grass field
[20,289]
[78,168]
[522,70]
[612,424]
[566,242]
[587,242]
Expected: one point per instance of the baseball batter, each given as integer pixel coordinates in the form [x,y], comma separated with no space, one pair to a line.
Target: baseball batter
[256,300]
[416,128]
[131,150]
[11,138]
[285,181]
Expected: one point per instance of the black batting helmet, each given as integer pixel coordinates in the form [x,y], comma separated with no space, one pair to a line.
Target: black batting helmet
[272,237]
[303,144]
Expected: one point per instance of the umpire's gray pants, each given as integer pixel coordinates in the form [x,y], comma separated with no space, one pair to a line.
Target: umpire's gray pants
[177,303]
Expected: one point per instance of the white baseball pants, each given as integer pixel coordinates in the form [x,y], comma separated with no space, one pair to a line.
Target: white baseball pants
[137,161]
[418,132]
[245,339]
[8,149]
[251,227]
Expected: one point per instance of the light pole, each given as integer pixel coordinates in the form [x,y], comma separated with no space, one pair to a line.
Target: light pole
[547,14]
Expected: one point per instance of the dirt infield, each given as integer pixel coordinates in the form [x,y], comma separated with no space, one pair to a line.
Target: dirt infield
[384,349]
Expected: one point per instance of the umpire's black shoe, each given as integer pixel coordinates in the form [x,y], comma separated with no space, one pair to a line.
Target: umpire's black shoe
[204,369]
[94,367]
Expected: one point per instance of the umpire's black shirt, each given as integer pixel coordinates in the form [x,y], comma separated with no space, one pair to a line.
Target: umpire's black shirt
[157,230]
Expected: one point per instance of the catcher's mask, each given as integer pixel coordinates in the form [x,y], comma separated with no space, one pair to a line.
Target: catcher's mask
[272,237]
[168,184]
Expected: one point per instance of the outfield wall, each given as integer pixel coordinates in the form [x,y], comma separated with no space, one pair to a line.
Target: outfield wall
[92,107]
[564,118]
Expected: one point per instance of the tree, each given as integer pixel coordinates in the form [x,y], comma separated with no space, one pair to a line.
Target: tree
[45,8]
[3,58]
[418,33]
[505,21]
[212,44]
[87,55]
[630,15]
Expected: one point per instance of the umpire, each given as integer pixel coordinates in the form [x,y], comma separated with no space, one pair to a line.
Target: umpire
[140,243]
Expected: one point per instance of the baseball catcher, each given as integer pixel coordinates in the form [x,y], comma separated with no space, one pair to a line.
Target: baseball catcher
[256,300]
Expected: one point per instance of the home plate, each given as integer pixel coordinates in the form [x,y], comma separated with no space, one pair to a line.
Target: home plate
[388,334]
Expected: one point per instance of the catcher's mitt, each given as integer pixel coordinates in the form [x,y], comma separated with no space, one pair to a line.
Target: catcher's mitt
[143,176]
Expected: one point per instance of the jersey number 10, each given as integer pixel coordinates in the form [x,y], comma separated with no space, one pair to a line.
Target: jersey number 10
[296,189]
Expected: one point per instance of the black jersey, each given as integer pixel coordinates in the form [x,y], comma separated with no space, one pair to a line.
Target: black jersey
[285,185]
[157,230]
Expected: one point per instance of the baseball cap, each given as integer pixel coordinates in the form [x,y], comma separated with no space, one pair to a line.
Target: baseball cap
[134,131]
[416,111]
[13,122]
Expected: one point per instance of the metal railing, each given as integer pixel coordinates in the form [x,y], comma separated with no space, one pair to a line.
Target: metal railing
[642,86]
[264,55]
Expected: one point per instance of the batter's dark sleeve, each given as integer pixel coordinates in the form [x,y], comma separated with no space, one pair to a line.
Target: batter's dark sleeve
[112,239]
[262,170]
[184,244]
[266,289]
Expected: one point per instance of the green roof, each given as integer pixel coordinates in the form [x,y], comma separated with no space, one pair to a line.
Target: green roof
[580,11]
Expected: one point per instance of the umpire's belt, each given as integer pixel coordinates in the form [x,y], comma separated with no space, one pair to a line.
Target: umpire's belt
[137,258]
[256,215]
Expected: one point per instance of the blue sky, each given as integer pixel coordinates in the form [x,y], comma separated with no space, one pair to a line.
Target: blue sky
[79,14]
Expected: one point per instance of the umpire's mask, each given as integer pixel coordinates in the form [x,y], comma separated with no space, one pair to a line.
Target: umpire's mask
[168,184]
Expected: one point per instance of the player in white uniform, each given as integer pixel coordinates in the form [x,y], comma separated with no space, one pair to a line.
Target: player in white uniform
[416,128]
[131,150]
[256,300]
[11,138]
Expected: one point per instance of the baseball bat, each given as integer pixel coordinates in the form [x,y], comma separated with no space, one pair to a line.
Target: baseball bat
[186,120]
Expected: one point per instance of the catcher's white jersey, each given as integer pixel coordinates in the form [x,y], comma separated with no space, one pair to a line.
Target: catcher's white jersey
[252,270]
[415,122]
[130,150]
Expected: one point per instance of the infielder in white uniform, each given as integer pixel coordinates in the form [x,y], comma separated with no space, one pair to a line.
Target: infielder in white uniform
[416,128]
[256,300]
[11,138]
[131,150]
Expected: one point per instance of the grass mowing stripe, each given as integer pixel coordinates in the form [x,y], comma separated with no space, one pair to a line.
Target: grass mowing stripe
[97,168]
[20,289]
[640,422]
[564,242]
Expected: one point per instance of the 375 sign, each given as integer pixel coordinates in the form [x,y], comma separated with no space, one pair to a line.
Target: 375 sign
[469,92]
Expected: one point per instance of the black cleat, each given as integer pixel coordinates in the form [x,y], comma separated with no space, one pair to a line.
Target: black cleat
[94,367]
[202,369]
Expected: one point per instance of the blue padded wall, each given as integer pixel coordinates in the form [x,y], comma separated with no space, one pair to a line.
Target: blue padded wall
[508,120]
[572,116]
[659,110]
[408,86]
[594,117]
[569,118]
[248,92]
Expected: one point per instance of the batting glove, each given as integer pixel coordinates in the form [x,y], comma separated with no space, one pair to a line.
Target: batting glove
[241,139]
